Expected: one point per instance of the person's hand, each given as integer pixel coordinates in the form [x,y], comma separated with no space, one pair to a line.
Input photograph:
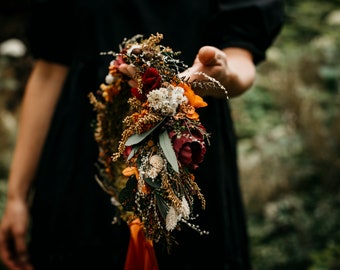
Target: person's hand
[130,71]
[13,232]
[46,82]
[209,60]
[213,63]
[232,67]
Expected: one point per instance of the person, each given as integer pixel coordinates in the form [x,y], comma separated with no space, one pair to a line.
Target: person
[56,215]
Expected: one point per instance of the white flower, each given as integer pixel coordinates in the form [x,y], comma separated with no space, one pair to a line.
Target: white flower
[157,164]
[109,79]
[166,100]
[114,201]
[152,173]
[171,219]
[177,95]
[175,215]
[13,47]
[157,97]
[185,209]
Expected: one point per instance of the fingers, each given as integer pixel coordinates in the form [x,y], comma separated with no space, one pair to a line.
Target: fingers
[24,263]
[22,256]
[21,249]
[6,250]
[13,251]
[129,71]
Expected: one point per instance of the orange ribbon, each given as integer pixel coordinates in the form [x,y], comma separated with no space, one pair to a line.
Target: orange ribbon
[141,254]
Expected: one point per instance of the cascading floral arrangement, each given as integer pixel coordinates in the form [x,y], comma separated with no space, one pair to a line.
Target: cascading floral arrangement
[150,137]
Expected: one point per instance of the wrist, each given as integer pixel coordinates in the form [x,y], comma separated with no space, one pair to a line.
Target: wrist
[240,73]
[17,193]
[235,84]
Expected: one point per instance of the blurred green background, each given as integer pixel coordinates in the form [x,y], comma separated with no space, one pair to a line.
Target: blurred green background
[288,126]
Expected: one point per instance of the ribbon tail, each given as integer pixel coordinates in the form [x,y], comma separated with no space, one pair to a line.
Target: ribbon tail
[141,254]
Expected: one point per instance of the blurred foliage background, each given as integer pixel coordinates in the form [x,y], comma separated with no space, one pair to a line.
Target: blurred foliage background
[288,126]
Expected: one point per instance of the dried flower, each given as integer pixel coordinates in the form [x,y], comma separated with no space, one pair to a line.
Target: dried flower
[189,145]
[150,137]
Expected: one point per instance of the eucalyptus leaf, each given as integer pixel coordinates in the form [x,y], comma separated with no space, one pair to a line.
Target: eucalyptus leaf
[132,153]
[137,138]
[168,150]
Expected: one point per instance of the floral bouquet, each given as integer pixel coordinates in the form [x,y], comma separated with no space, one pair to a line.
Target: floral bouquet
[150,137]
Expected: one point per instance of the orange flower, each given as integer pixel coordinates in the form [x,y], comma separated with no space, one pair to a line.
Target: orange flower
[194,100]
[190,112]
[128,171]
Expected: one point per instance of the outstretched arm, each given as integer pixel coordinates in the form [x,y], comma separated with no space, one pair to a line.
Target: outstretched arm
[41,95]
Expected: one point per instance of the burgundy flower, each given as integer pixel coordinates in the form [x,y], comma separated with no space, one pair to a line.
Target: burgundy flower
[189,147]
[151,80]
[135,92]
[127,151]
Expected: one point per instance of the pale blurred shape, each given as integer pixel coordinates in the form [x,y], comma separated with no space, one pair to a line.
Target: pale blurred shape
[334,17]
[13,47]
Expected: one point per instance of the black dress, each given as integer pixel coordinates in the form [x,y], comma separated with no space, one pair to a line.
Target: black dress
[71,215]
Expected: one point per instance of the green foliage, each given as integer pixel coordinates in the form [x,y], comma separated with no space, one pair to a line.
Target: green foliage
[289,143]
[327,258]
[3,188]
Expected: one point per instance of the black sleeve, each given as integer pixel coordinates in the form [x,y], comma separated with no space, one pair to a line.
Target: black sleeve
[248,24]
[49,30]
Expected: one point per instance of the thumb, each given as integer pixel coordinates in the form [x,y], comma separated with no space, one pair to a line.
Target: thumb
[208,56]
